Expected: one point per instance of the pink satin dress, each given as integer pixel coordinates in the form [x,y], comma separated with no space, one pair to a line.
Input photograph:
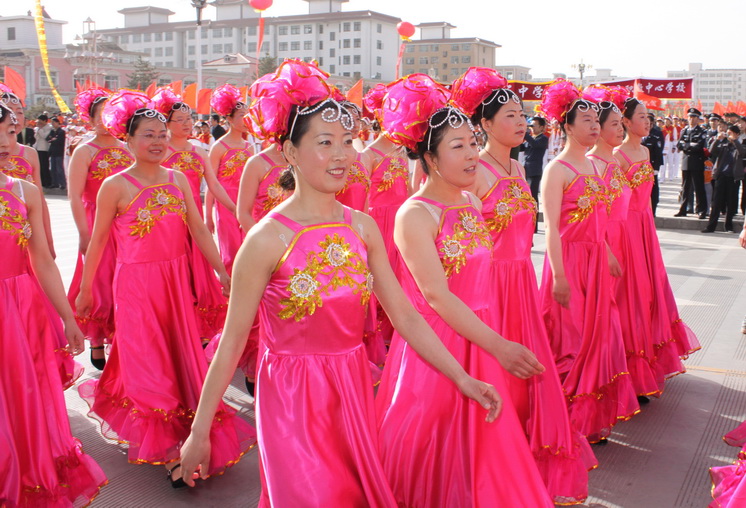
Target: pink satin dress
[357,187]
[436,448]
[658,315]
[728,482]
[229,230]
[150,387]
[587,338]
[314,399]
[41,463]
[99,326]
[19,167]
[562,455]
[211,305]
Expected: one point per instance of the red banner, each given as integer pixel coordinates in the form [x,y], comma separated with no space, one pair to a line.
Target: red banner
[528,91]
[661,88]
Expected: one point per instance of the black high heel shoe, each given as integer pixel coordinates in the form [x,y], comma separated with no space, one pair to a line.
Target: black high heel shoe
[99,363]
[179,482]
[250,386]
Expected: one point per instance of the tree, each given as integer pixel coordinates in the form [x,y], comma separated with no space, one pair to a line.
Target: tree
[267,64]
[145,73]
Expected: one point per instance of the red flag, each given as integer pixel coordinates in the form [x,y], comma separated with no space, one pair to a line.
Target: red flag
[203,101]
[150,90]
[355,94]
[649,101]
[190,95]
[16,83]
[176,87]
[741,108]
[718,109]
[244,93]
[730,108]
[699,105]
[260,41]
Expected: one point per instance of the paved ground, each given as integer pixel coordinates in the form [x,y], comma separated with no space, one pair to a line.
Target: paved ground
[659,459]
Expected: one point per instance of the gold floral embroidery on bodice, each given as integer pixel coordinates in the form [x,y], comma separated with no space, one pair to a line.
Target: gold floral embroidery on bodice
[468,234]
[234,163]
[513,200]
[337,265]
[617,182]
[187,162]
[357,174]
[593,194]
[644,174]
[158,205]
[16,170]
[275,195]
[14,221]
[115,158]
[396,169]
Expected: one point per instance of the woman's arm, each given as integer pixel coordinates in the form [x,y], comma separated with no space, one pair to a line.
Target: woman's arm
[252,270]
[247,191]
[216,188]
[33,158]
[552,188]
[46,270]
[414,235]
[76,179]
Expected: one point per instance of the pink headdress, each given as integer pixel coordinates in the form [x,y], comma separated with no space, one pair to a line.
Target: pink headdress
[122,107]
[225,99]
[86,99]
[295,83]
[165,99]
[410,106]
[477,85]
[559,98]
[607,97]
[373,101]
[8,96]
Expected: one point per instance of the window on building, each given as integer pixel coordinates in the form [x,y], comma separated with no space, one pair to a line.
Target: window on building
[466,47]
[11,33]
[136,38]
[410,48]
[204,49]
[356,59]
[158,51]
[283,30]
[307,45]
[251,30]
[445,66]
[295,46]
[332,36]
[294,29]
[434,59]
[346,43]
[190,35]
[321,62]
[454,59]
[346,74]
[217,48]
[379,44]
[321,44]
[409,61]
[124,39]
[423,60]
[357,43]
[455,47]
[228,32]
[169,64]
[227,48]
[425,48]
[423,70]
[307,29]
[158,36]
[147,51]
[379,28]
[168,36]
[332,69]
[321,29]
[307,59]
[356,26]
[217,32]
[435,47]
[378,60]
[455,72]
[346,60]
[111,82]
[169,51]
[191,50]
[466,59]
[332,52]
[251,47]
[146,37]
[346,26]
[191,64]
[283,46]
[43,83]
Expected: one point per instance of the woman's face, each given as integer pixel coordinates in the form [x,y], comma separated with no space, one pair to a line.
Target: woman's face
[97,123]
[8,132]
[323,155]
[455,158]
[586,129]
[236,122]
[508,126]
[148,142]
[612,131]
[180,124]
[639,124]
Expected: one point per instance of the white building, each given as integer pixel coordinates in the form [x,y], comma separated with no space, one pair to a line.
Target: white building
[714,85]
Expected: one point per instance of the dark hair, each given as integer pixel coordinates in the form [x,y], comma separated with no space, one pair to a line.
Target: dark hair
[570,116]
[492,104]
[604,110]
[97,102]
[431,140]
[735,129]
[42,117]
[6,112]
[539,120]
[57,120]
[630,105]
[215,117]
[143,114]
[178,106]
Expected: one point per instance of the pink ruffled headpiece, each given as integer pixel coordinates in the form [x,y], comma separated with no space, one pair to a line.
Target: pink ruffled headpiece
[295,83]
[558,99]
[409,106]
[474,86]
[602,93]
[85,100]
[373,101]
[122,106]
[224,99]
[8,96]
[165,99]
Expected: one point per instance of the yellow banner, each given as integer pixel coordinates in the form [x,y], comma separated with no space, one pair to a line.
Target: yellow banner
[42,36]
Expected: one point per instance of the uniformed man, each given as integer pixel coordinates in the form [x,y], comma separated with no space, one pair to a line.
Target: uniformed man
[692,146]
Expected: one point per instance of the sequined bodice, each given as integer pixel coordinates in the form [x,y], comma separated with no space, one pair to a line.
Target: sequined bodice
[15,232]
[618,190]
[388,180]
[270,193]
[357,186]
[192,165]
[317,298]
[231,168]
[641,180]
[584,214]
[509,212]
[19,167]
[153,226]
[106,161]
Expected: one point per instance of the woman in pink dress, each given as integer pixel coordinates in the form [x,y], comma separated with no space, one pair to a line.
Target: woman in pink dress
[729,482]
[356,191]
[90,164]
[190,160]
[435,448]
[666,338]
[580,315]
[229,155]
[41,463]
[562,455]
[149,401]
[307,269]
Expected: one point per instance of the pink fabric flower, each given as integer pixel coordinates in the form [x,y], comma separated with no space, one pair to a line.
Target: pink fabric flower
[600,93]
[120,108]
[5,89]
[407,107]
[85,99]
[164,100]
[474,86]
[224,99]
[558,98]
[373,101]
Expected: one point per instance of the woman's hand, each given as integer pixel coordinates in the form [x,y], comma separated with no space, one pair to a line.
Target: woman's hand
[614,267]
[484,394]
[84,304]
[195,459]
[225,281]
[561,291]
[518,360]
[74,337]
[742,238]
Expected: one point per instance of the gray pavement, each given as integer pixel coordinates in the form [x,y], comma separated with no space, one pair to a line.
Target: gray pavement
[659,459]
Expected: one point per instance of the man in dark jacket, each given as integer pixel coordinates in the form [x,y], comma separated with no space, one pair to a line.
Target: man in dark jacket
[727,152]
[655,142]
[692,146]
[535,145]
[216,130]
[56,139]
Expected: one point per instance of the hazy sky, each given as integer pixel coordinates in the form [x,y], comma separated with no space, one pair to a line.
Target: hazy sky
[632,37]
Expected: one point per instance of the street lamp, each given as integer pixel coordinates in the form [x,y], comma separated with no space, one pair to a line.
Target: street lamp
[89,54]
[199,5]
[581,67]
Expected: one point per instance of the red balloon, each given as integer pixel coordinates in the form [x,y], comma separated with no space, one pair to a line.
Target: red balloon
[405,29]
[260,5]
